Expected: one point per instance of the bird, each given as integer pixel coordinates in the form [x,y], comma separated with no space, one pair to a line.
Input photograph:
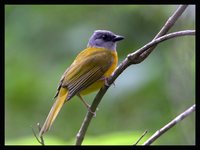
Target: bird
[88,72]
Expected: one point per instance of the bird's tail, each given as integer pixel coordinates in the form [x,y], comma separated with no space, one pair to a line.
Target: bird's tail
[60,100]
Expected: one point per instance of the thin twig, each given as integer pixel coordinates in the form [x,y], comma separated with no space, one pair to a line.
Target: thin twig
[168,126]
[145,132]
[41,141]
[83,129]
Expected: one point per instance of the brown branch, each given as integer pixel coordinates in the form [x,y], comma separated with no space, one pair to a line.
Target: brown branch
[171,21]
[168,25]
[128,61]
[133,58]
[168,126]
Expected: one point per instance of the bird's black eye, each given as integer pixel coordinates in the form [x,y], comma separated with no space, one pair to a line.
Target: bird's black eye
[104,36]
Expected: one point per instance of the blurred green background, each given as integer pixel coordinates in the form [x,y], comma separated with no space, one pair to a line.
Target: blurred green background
[41,41]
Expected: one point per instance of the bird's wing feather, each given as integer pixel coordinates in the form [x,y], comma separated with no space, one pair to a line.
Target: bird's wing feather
[82,74]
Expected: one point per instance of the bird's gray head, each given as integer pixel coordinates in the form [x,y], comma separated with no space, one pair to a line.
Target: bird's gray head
[104,39]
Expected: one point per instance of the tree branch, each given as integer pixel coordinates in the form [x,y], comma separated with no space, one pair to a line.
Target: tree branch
[168,126]
[167,26]
[171,21]
[133,58]
[128,61]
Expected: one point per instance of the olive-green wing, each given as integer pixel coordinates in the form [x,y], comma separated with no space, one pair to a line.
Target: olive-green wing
[82,74]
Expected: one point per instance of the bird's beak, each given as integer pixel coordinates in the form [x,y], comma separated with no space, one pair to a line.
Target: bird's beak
[118,38]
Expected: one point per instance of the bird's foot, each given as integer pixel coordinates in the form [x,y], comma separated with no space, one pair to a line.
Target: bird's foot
[94,113]
[106,82]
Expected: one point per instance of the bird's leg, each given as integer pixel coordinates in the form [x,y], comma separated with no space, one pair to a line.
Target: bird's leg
[86,105]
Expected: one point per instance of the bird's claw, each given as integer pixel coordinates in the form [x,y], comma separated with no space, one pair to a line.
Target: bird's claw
[94,113]
[106,82]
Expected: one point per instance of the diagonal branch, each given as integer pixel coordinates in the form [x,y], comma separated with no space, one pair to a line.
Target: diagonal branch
[171,21]
[168,126]
[167,26]
[145,132]
[133,58]
[127,62]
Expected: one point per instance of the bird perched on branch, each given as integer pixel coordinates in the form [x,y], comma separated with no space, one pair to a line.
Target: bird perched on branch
[87,73]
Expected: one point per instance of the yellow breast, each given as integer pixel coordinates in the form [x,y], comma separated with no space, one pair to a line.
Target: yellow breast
[98,84]
[114,64]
